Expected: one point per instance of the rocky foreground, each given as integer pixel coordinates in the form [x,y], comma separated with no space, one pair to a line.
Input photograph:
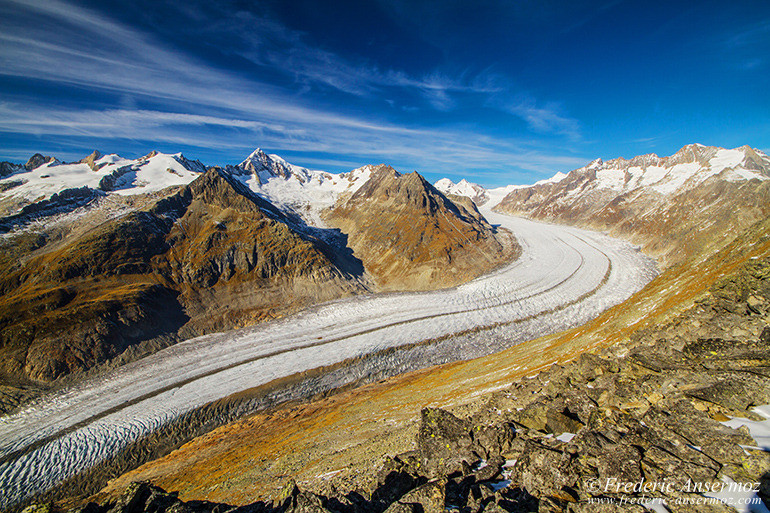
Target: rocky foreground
[651,410]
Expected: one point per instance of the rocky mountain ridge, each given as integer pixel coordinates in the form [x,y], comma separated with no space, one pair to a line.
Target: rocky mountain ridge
[42,176]
[208,256]
[673,206]
[107,259]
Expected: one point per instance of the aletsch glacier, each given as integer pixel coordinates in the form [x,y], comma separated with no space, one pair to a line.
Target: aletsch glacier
[564,277]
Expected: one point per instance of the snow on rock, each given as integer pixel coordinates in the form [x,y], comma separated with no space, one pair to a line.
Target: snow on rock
[483,196]
[558,177]
[497,194]
[150,173]
[295,189]
[686,169]
[474,191]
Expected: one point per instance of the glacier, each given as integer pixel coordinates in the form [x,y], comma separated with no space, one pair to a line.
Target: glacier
[564,277]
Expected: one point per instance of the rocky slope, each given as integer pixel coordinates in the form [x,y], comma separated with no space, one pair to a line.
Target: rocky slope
[674,404]
[674,207]
[411,237]
[207,256]
[339,441]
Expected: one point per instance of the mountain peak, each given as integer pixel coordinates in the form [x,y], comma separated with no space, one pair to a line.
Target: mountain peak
[257,154]
[37,160]
[474,191]
[265,166]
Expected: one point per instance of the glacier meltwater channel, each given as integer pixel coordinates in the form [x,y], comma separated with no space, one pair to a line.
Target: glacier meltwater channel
[564,276]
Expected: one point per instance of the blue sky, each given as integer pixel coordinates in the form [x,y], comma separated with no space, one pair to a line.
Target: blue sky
[496,91]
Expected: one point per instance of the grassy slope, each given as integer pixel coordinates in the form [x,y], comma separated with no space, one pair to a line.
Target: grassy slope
[352,431]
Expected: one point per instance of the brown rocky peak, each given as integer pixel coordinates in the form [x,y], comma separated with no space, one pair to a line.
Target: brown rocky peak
[755,160]
[217,187]
[91,160]
[37,160]
[388,185]
[409,236]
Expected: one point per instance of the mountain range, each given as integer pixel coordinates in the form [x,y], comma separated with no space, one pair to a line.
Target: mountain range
[108,259]
[673,207]
[111,258]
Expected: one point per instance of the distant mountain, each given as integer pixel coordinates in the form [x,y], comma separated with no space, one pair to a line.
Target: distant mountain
[296,190]
[673,206]
[410,236]
[43,176]
[474,191]
[482,196]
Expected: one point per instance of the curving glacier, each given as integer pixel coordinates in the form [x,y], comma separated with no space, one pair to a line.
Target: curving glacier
[564,277]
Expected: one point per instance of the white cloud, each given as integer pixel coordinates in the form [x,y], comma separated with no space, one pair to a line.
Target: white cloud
[546,119]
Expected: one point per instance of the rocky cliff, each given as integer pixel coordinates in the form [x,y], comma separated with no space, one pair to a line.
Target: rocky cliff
[674,207]
[411,237]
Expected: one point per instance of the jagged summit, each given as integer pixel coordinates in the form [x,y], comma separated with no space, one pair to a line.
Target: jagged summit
[296,190]
[264,167]
[411,236]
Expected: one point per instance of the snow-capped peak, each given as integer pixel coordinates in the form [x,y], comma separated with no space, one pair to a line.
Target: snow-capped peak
[474,191]
[294,189]
[692,165]
[444,185]
[558,177]
[264,167]
[109,173]
[596,163]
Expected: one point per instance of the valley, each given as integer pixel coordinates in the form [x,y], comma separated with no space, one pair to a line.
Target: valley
[356,282]
[564,277]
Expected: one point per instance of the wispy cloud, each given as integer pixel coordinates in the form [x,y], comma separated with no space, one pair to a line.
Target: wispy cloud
[449,150]
[266,42]
[205,107]
[750,35]
[547,118]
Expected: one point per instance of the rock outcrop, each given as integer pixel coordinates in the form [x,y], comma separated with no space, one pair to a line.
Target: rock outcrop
[411,237]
